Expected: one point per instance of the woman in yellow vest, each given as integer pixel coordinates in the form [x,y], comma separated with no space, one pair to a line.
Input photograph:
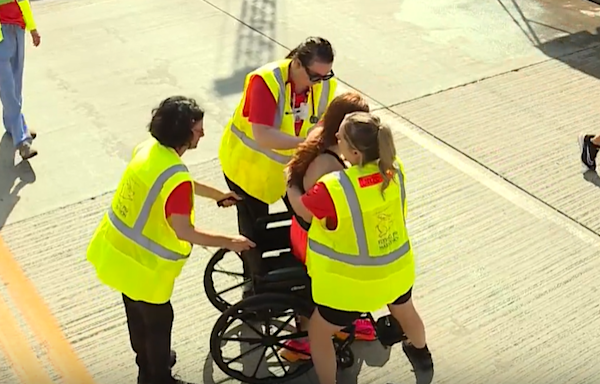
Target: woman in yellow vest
[146,237]
[359,253]
[282,100]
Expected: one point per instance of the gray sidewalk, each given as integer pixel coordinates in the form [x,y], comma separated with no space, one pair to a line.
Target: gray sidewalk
[485,101]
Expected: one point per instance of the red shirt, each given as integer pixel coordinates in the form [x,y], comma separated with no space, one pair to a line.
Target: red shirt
[180,200]
[319,202]
[260,105]
[11,14]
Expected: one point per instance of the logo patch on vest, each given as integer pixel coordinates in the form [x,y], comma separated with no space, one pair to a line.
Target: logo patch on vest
[370,180]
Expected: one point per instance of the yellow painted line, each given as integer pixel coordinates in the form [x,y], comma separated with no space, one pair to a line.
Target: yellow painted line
[41,321]
[15,345]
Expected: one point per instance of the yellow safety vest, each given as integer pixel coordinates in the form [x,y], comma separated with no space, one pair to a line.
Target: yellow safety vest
[367,261]
[260,171]
[27,15]
[134,250]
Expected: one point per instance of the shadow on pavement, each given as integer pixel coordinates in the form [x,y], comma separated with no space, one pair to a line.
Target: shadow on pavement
[373,354]
[252,49]
[592,177]
[563,34]
[13,178]
[585,57]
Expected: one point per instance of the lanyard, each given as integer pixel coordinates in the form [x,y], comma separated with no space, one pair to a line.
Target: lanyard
[313,118]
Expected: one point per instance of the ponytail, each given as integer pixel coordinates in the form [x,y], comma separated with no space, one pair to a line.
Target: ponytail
[387,155]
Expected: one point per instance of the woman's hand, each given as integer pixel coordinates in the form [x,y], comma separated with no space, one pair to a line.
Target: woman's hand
[228,199]
[35,36]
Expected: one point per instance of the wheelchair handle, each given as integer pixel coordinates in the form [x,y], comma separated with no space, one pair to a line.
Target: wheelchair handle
[221,203]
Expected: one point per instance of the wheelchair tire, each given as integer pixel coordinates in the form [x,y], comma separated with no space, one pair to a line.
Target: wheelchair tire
[345,358]
[256,310]
[216,299]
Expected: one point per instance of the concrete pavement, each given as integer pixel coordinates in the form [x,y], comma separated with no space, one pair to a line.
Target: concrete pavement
[485,100]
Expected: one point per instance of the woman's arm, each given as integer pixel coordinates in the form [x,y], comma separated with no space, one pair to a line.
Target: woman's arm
[207,191]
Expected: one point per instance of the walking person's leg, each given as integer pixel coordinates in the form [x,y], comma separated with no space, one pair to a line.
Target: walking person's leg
[11,80]
[18,67]
[589,146]
[415,349]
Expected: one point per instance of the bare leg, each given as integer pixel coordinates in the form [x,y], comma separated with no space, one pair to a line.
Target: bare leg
[320,334]
[411,322]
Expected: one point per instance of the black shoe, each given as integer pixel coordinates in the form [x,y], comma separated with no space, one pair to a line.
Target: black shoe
[143,377]
[588,153]
[421,361]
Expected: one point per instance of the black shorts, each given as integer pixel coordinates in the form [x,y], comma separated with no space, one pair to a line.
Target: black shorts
[345,318]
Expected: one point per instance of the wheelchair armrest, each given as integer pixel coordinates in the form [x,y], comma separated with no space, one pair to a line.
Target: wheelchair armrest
[262,222]
[289,273]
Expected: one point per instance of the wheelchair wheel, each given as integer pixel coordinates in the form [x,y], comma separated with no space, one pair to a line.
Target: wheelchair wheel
[345,358]
[253,347]
[224,281]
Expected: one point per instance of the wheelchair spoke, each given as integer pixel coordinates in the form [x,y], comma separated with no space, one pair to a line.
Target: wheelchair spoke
[281,363]
[249,340]
[283,325]
[259,333]
[243,354]
[233,287]
[239,274]
[259,362]
[293,336]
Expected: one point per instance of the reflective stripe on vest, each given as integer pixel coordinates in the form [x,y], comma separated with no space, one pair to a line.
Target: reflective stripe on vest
[279,113]
[135,234]
[363,259]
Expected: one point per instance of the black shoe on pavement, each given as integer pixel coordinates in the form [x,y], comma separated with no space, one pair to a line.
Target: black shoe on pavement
[421,361]
[588,153]
[142,376]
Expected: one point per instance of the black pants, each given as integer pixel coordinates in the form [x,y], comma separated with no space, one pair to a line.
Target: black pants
[249,210]
[150,328]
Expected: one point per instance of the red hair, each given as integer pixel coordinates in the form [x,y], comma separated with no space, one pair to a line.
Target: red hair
[323,136]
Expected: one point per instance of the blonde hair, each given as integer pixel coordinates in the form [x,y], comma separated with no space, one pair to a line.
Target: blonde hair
[366,134]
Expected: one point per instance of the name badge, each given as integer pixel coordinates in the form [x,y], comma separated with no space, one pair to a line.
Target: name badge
[301,113]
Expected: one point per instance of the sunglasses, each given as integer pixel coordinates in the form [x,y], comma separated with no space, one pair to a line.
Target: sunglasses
[317,77]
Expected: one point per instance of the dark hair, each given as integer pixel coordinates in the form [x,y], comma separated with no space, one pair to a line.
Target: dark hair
[324,137]
[173,120]
[374,140]
[313,49]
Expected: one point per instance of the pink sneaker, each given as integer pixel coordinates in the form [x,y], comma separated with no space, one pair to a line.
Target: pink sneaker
[298,345]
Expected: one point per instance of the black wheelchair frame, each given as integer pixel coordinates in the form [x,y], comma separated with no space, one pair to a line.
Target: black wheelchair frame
[275,282]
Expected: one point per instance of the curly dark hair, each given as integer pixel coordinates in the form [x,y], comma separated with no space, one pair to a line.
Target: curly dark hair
[173,120]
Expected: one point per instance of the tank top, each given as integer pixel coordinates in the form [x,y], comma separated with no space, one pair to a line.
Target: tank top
[301,221]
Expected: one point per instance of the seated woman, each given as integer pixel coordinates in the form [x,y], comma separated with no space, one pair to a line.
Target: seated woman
[359,254]
[317,156]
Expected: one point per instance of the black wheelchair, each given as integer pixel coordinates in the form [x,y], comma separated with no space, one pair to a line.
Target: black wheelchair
[274,293]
